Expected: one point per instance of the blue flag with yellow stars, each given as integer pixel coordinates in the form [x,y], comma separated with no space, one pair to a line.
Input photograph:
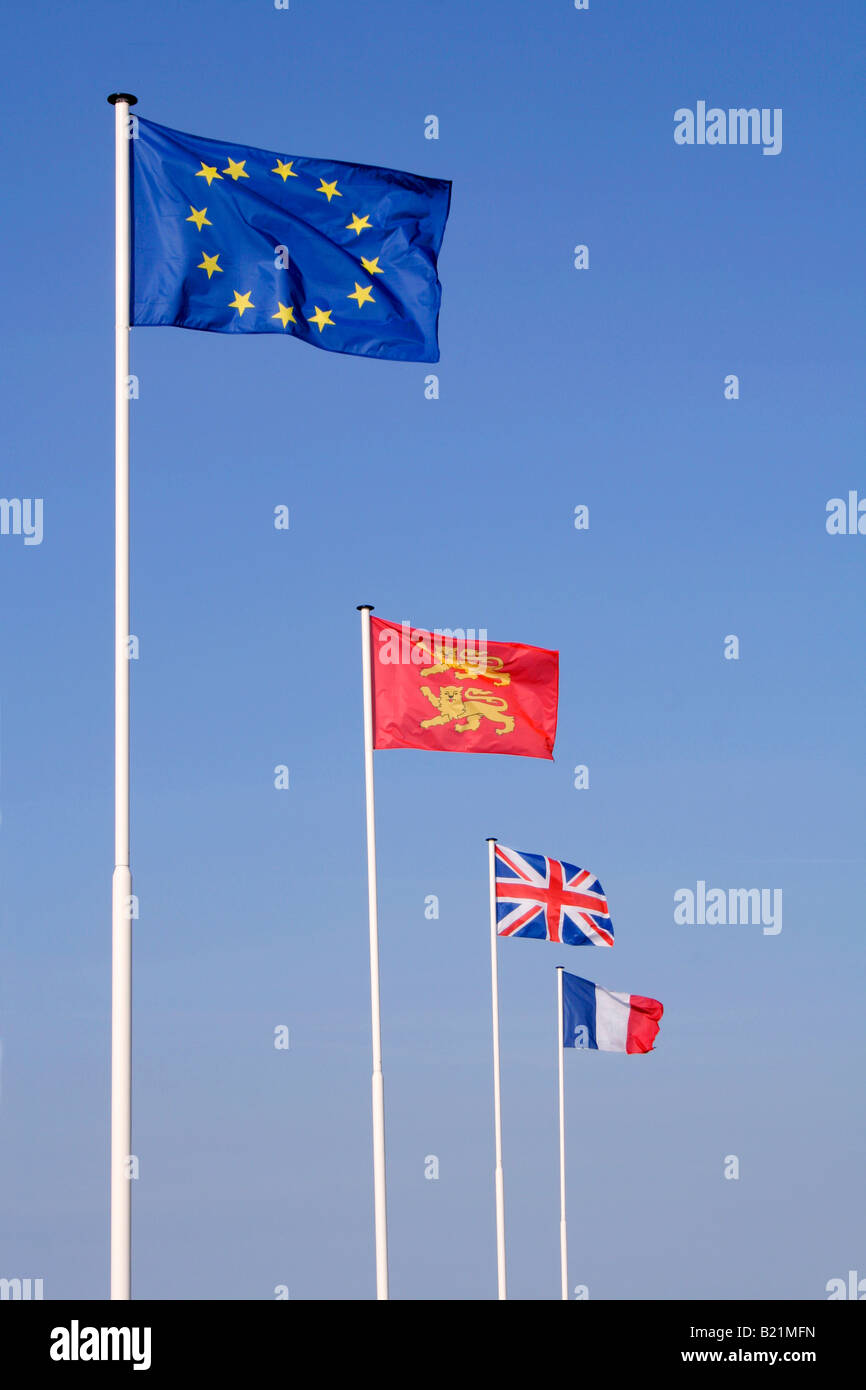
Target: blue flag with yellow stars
[230,239]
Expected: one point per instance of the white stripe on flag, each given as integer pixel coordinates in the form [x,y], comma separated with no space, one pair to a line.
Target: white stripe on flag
[611,1020]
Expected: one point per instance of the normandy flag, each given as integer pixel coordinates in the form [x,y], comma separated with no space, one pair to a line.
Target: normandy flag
[452,694]
[231,239]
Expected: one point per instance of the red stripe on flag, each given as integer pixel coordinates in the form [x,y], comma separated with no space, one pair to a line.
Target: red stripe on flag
[590,926]
[521,922]
[643,1025]
[500,854]
[519,889]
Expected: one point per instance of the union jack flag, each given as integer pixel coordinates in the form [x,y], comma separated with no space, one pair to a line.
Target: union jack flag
[549,900]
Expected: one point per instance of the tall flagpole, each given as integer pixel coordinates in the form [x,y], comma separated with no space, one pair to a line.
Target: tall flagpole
[121,887]
[498,1178]
[379,1188]
[563,1234]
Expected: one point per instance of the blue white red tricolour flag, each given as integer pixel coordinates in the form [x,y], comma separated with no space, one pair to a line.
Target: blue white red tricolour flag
[549,900]
[598,1018]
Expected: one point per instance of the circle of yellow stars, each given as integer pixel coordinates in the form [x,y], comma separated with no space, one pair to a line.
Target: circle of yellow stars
[241,301]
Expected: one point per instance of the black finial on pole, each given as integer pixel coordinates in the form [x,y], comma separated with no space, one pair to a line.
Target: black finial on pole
[122,96]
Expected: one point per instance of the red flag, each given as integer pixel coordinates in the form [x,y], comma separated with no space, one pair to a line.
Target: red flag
[461,694]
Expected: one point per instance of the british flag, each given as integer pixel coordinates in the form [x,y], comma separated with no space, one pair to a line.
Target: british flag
[550,900]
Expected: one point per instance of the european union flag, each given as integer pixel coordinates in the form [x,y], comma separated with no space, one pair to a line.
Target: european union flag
[230,239]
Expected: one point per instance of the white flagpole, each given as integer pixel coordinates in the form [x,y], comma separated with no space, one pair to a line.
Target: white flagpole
[379,1187]
[563,1234]
[499,1180]
[121,914]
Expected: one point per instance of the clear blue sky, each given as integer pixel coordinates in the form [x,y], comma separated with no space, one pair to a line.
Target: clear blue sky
[557,387]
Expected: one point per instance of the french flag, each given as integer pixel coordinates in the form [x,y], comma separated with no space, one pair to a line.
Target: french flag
[598,1018]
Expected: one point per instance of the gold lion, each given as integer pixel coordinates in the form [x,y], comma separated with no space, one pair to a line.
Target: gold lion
[469,706]
[466,668]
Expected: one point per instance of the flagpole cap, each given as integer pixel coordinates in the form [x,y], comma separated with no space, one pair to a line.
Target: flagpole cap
[492,840]
[364,607]
[122,96]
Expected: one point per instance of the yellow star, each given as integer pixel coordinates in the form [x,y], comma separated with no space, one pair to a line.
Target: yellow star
[208,171]
[329,190]
[363,294]
[285,313]
[236,171]
[321,316]
[242,302]
[198,217]
[285,171]
[358,224]
[372,267]
[209,263]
